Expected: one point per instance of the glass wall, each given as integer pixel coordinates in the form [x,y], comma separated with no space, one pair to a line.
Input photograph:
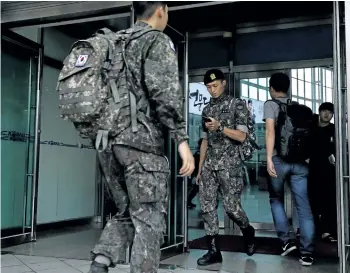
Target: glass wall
[255,200]
[18,85]
[309,86]
[312,86]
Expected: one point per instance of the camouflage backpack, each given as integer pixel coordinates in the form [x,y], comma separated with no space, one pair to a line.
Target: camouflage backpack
[248,147]
[96,89]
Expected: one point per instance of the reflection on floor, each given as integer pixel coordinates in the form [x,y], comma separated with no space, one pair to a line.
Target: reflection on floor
[186,263]
[71,244]
[256,205]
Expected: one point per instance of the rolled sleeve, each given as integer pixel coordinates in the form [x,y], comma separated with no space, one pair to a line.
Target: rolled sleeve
[242,128]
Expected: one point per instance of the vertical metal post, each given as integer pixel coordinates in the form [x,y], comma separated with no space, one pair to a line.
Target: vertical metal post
[338,136]
[27,174]
[346,63]
[132,16]
[184,189]
[37,140]
[347,83]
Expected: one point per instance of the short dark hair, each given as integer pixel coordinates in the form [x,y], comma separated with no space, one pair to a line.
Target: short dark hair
[280,82]
[145,9]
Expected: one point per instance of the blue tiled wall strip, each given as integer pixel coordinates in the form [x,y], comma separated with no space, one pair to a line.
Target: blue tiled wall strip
[22,137]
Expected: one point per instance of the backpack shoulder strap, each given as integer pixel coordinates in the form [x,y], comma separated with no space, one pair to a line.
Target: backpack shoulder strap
[104,31]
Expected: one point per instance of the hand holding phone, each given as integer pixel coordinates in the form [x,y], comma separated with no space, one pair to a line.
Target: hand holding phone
[206,119]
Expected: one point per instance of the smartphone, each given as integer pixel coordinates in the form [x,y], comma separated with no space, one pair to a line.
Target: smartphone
[206,119]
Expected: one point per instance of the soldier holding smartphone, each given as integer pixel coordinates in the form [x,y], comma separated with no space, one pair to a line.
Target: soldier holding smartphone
[225,127]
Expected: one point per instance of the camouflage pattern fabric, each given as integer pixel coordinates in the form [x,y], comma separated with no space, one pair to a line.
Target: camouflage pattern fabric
[103,92]
[229,183]
[223,167]
[221,149]
[138,181]
[153,62]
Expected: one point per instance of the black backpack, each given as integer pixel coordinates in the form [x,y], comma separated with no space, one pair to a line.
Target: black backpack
[292,139]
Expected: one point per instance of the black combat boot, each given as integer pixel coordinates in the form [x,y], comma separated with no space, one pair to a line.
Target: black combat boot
[213,259]
[249,240]
[98,268]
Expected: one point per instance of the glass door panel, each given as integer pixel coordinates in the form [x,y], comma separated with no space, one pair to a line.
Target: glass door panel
[18,108]
[254,89]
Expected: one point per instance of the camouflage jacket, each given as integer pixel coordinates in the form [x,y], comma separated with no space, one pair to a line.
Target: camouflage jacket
[233,114]
[153,63]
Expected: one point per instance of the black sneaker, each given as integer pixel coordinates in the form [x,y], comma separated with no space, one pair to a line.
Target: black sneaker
[306,260]
[288,247]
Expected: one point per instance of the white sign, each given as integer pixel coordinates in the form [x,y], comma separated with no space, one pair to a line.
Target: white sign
[256,109]
[199,97]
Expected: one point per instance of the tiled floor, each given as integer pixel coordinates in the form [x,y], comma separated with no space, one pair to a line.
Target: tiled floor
[186,263]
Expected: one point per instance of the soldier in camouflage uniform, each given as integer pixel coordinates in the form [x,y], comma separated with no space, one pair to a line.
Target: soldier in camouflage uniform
[221,167]
[135,167]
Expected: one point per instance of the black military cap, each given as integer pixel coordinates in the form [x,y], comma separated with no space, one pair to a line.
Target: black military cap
[326,106]
[213,75]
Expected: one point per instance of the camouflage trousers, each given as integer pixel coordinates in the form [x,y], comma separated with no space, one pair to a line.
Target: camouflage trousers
[138,183]
[230,184]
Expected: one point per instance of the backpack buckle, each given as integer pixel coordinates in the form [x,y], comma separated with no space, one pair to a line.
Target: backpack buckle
[106,65]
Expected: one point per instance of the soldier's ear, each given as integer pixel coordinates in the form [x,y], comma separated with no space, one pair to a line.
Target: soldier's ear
[224,83]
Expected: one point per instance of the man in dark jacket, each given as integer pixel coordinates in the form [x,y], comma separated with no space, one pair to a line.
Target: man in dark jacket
[322,182]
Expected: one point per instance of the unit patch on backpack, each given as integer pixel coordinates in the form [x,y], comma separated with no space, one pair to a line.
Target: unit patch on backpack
[81,61]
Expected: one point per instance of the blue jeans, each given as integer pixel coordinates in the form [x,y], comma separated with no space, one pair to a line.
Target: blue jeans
[297,174]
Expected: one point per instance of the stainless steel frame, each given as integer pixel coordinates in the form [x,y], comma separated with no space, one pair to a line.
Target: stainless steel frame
[59,14]
[30,235]
[281,24]
[186,113]
[37,143]
[342,178]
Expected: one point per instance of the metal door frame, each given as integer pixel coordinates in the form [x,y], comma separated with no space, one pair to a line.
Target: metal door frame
[288,205]
[37,50]
[340,82]
[234,74]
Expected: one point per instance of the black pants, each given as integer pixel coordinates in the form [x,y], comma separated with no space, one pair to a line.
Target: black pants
[323,201]
[193,192]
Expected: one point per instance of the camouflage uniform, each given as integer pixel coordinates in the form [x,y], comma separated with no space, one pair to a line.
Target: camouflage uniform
[135,167]
[223,168]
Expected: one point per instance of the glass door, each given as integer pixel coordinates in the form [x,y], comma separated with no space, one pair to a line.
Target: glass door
[175,240]
[253,87]
[19,85]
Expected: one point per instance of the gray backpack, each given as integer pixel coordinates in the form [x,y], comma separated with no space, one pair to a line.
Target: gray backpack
[96,89]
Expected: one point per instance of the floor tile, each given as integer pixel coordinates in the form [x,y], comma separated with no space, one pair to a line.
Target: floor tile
[35,259]
[61,270]
[16,269]
[9,260]
[47,266]
[75,263]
